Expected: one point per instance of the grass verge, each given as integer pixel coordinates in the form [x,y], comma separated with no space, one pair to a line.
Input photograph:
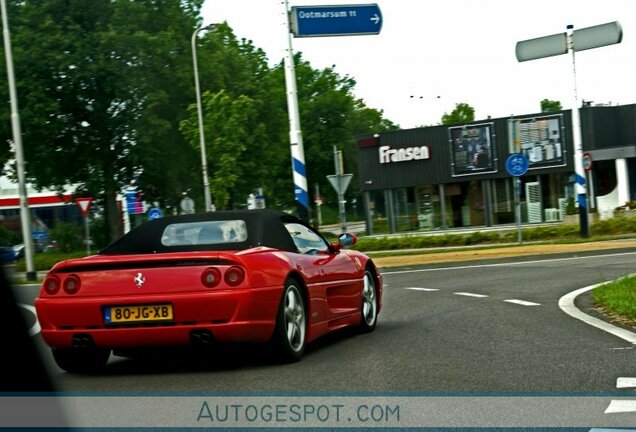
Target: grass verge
[618,299]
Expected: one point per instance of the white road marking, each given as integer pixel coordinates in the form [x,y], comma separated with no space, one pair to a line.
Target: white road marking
[522,302]
[504,264]
[36,327]
[621,406]
[612,430]
[566,303]
[470,294]
[421,289]
[625,382]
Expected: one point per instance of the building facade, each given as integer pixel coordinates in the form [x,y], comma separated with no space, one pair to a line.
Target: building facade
[455,176]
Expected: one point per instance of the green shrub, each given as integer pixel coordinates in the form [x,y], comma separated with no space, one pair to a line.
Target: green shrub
[68,236]
[44,261]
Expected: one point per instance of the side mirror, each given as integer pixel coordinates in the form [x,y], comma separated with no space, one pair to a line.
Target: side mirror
[347,239]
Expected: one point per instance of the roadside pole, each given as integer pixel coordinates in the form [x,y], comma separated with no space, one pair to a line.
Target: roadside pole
[340,183]
[558,44]
[25,213]
[84,205]
[517,165]
[295,133]
[317,21]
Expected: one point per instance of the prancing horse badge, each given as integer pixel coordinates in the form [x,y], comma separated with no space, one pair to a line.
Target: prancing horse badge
[140,280]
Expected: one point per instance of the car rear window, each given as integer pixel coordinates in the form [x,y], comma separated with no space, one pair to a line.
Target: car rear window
[204,233]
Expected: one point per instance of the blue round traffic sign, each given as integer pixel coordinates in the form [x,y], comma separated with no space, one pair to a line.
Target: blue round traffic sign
[154,213]
[517,164]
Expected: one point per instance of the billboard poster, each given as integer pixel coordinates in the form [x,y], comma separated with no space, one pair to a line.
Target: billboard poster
[541,139]
[472,149]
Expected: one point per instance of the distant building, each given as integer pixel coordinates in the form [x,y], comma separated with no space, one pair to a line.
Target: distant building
[46,207]
[454,176]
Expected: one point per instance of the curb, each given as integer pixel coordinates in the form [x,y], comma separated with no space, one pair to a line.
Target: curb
[566,304]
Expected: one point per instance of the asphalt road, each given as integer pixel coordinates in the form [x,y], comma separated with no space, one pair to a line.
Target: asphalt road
[464,327]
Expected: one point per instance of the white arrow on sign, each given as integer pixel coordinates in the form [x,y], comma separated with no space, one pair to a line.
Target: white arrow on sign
[375,18]
[340,182]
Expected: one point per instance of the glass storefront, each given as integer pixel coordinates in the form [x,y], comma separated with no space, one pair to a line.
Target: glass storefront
[544,198]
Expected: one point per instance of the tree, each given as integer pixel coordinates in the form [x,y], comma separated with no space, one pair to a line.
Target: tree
[107,97]
[463,113]
[225,123]
[99,86]
[330,115]
[240,71]
[548,106]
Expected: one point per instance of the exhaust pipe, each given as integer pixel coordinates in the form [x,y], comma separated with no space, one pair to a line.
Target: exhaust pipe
[82,341]
[201,337]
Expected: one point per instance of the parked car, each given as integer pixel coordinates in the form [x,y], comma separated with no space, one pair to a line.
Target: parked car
[7,254]
[249,276]
[19,249]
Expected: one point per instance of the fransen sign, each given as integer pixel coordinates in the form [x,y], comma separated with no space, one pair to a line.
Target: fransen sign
[389,155]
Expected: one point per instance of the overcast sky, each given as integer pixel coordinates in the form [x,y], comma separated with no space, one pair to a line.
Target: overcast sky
[447,52]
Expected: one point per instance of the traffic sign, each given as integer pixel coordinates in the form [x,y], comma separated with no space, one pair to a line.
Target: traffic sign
[587,162]
[340,182]
[517,164]
[84,204]
[154,213]
[343,20]
[187,205]
[134,200]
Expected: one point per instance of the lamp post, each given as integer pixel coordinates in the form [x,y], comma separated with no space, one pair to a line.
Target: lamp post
[204,162]
[25,214]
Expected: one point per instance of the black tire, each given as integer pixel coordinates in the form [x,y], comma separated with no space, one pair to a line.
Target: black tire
[369,306]
[90,360]
[291,323]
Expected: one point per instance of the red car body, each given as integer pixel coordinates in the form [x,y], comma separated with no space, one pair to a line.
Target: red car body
[155,295]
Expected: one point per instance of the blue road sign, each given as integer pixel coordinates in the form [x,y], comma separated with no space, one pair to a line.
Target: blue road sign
[344,20]
[517,164]
[154,213]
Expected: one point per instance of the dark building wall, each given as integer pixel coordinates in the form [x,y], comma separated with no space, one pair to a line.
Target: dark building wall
[626,125]
[608,127]
[599,127]
[438,169]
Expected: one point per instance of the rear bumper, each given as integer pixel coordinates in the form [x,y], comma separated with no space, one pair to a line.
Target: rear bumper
[246,315]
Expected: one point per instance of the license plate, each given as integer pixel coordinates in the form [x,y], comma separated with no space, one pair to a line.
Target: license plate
[137,313]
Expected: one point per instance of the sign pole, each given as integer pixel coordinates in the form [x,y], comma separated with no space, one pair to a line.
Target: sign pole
[84,205]
[579,173]
[316,21]
[517,182]
[517,165]
[295,133]
[574,40]
[88,236]
[337,160]
[318,201]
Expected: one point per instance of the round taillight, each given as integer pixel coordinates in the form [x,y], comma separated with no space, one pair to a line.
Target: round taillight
[211,277]
[234,276]
[72,284]
[51,285]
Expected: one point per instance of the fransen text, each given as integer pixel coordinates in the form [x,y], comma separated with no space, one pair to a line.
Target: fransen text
[388,155]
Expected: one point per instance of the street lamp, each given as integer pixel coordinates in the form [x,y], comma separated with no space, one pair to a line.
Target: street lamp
[25,214]
[204,163]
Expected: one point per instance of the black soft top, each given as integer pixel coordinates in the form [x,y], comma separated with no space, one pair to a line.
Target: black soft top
[264,228]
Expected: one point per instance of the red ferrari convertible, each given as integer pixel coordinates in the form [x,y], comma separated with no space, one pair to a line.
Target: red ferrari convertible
[251,276]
